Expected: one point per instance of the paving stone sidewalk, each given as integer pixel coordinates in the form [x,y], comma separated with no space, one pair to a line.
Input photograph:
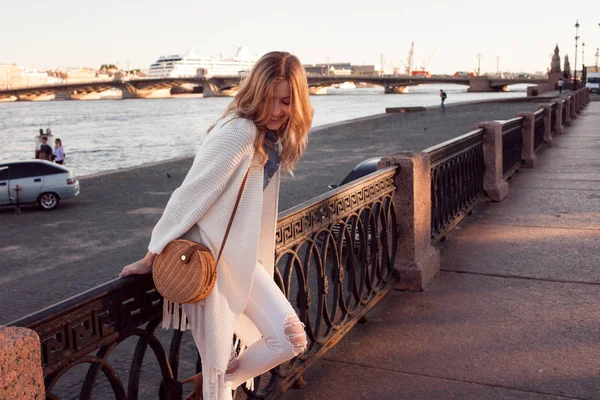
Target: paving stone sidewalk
[514,313]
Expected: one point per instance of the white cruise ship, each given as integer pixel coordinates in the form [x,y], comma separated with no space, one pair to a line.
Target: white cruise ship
[190,64]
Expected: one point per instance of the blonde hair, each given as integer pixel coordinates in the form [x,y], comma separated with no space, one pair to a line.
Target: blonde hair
[254,100]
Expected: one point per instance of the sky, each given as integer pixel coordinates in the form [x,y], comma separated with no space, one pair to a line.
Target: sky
[448,35]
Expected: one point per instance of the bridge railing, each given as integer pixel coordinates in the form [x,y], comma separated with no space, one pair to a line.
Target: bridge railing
[457,170]
[553,118]
[512,146]
[334,261]
[539,127]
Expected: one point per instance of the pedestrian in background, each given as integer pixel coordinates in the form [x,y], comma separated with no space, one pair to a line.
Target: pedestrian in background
[560,84]
[443,96]
[59,152]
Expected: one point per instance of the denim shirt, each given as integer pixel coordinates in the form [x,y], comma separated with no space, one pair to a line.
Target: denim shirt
[271,147]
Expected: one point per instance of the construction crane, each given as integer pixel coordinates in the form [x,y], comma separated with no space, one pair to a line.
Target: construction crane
[411,55]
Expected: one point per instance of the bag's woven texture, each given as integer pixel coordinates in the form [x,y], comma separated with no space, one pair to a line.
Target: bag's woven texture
[182,278]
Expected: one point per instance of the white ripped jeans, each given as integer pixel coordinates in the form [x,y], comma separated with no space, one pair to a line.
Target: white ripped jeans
[282,332]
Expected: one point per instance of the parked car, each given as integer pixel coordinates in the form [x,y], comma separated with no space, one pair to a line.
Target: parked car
[38,181]
[362,169]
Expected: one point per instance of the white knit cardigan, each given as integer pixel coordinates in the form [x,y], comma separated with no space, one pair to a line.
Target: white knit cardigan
[199,210]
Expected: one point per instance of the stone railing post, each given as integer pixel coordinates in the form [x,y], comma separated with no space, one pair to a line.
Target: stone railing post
[570,112]
[547,123]
[586,96]
[528,153]
[567,120]
[21,375]
[559,122]
[578,101]
[494,185]
[417,261]
[573,106]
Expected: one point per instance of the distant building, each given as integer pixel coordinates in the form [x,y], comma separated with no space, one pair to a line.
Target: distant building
[10,75]
[337,69]
[364,70]
[80,74]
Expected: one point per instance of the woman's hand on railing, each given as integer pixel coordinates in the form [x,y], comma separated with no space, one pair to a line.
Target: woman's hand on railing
[139,267]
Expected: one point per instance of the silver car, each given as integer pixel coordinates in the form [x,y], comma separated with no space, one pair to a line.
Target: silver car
[36,181]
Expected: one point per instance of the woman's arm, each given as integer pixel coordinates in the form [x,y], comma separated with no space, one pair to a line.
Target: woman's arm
[217,160]
[139,267]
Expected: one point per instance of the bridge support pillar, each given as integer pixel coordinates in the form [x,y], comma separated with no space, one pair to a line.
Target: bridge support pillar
[317,90]
[417,261]
[84,95]
[20,364]
[494,185]
[479,84]
[7,98]
[547,123]
[36,96]
[131,92]
[62,94]
[528,152]
[396,89]
[558,126]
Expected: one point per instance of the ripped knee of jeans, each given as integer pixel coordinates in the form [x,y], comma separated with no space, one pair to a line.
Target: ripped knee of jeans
[294,332]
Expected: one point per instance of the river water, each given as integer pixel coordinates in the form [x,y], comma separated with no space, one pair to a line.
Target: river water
[104,135]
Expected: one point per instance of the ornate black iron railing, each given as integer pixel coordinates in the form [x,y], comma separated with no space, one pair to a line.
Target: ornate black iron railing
[538,129]
[553,118]
[457,171]
[564,112]
[334,259]
[512,146]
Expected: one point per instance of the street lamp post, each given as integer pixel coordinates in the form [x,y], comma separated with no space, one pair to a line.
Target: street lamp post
[575,69]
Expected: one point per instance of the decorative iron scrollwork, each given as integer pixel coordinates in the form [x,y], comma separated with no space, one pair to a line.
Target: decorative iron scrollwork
[538,129]
[327,259]
[512,146]
[457,170]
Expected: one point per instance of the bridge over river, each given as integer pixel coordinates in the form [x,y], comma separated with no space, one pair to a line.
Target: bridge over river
[227,86]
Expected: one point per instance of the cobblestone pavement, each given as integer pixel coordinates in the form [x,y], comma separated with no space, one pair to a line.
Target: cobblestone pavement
[46,257]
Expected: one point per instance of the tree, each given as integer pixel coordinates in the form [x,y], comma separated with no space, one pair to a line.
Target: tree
[105,67]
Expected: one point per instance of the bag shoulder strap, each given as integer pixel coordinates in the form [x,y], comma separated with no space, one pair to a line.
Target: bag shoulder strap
[235,207]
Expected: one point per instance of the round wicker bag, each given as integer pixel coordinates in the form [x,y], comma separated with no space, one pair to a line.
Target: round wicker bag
[184,272]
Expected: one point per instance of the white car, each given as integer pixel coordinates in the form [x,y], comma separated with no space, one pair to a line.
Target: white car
[36,181]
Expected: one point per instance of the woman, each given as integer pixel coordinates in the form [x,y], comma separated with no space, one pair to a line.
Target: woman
[265,125]
[59,152]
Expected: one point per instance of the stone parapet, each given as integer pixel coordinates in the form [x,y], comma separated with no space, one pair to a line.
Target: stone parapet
[567,120]
[547,123]
[417,261]
[559,129]
[528,153]
[21,375]
[572,106]
[494,185]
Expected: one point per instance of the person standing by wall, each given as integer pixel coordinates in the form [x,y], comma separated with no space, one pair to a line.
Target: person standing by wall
[59,152]
[443,96]
[560,84]
[45,150]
